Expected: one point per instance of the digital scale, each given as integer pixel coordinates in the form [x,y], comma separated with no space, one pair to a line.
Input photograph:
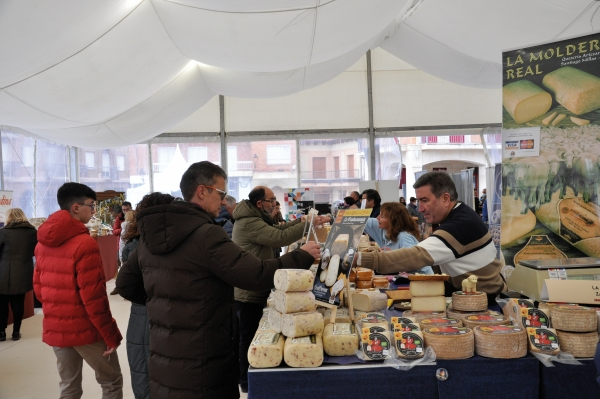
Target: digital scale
[529,275]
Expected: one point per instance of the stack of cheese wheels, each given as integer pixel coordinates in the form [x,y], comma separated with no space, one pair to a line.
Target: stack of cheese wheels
[500,341]
[439,321]
[461,314]
[469,301]
[370,300]
[485,320]
[376,340]
[427,296]
[295,316]
[364,278]
[450,342]
[576,328]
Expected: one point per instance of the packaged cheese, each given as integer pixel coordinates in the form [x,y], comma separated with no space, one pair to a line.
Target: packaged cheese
[405,327]
[525,100]
[578,344]
[512,309]
[352,276]
[409,344]
[304,351]
[440,321]
[426,288]
[469,302]
[374,323]
[376,346]
[381,282]
[485,320]
[369,301]
[574,318]
[461,314]
[342,315]
[293,302]
[543,340]
[263,325]
[534,318]
[343,319]
[266,350]
[364,284]
[500,342]
[418,316]
[301,324]
[428,304]
[450,342]
[291,280]
[402,320]
[576,90]
[340,339]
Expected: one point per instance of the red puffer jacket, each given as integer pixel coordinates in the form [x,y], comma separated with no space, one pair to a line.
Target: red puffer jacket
[69,282]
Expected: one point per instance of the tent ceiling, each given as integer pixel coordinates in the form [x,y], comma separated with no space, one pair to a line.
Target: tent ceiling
[105,73]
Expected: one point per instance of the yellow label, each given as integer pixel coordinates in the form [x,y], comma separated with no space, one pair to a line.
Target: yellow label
[539,247]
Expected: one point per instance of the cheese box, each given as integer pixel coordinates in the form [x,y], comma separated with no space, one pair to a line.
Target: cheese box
[574,318]
[500,341]
[266,349]
[409,344]
[428,304]
[578,344]
[543,340]
[340,339]
[426,288]
[450,342]
[368,301]
[291,280]
[304,351]
[469,301]
[536,318]
[485,320]
[301,324]
[293,302]
[376,346]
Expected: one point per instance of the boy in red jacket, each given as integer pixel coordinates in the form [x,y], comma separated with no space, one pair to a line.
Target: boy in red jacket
[69,282]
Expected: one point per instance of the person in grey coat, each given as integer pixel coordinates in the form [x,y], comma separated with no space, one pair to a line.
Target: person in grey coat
[17,243]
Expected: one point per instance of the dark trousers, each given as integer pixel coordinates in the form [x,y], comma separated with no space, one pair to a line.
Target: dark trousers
[17,304]
[249,315]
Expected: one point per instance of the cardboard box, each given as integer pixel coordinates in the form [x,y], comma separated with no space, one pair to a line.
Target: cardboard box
[571,291]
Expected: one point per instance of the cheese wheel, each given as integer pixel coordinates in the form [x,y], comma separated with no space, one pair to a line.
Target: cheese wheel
[439,321]
[469,302]
[426,288]
[428,304]
[340,245]
[304,351]
[485,320]
[293,302]
[381,282]
[376,346]
[461,314]
[274,321]
[361,284]
[450,342]
[291,280]
[352,277]
[576,90]
[543,340]
[536,318]
[418,316]
[525,100]
[364,274]
[409,344]
[340,339]
[369,301]
[266,350]
[574,318]
[581,344]
[339,312]
[500,341]
[301,324]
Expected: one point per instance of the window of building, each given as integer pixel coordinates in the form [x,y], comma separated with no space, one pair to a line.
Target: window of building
[279,155]
[89,160]
[197,154]
[120,163]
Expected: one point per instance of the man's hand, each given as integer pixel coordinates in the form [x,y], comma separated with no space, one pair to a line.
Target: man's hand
[109,351]
[313,249]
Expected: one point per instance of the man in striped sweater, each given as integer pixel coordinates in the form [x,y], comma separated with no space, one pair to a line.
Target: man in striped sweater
[461,246]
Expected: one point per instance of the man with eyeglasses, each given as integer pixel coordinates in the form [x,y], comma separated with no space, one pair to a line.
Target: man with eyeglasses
[254,231]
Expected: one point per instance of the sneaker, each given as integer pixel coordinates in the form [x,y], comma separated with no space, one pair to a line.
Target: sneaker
[115,291]
[15,336]
[2,336]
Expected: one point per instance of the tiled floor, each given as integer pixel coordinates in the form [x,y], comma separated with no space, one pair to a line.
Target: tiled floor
[28,366]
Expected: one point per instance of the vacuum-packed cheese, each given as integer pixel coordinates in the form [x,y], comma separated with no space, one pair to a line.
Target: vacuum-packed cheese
[293,302]
[426,288]
[418,316]
[578,344]
[301,324]
[340,339]
[428,304]
[525,100]
[304,351]
[440,321]
[534,318]
[409,344]
[274,321]
[576,90]
[376,346]
[574,318]
[369,301]
[374,323]
[404,324]
[543,340]
[485,320]
[291,280]
[450,342]
[500,342]
[266,350]
[469,302]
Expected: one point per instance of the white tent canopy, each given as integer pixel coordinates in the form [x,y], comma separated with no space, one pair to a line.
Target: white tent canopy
[108,73]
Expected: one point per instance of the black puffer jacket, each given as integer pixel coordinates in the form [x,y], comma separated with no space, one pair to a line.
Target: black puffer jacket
[17,243]
[189,268]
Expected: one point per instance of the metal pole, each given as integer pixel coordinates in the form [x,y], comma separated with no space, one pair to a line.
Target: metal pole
[1,163]
[151,168]
[298,164]
[77,172]
[485,150]
[222,133]
[69,164]
[34,178]
[372,174]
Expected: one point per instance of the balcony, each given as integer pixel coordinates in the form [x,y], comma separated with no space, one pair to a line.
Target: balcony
[330,176]
[460,139]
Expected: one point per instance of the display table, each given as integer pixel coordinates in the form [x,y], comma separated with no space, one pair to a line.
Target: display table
[469,378]
[28,308]
[109,250]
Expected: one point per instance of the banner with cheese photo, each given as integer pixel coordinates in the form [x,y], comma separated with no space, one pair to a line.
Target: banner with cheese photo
[340,248]
[551,201]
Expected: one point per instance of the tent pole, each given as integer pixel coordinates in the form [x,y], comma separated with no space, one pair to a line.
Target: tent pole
[151,168]
[372,175]
[222,133]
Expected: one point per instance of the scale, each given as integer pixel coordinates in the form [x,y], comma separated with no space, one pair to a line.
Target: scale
[529,275]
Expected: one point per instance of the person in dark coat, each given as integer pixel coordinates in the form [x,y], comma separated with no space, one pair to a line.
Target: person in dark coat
[188,266]
[138,329]
[224,219]
[17,243]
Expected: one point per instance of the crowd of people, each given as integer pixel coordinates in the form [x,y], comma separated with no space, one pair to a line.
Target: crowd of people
[198,272]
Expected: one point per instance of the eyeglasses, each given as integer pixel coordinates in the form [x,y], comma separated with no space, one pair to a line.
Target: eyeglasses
[92,206]
[272,201]
[222,193]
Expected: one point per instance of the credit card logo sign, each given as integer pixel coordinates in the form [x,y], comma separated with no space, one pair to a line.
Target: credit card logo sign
[512,145]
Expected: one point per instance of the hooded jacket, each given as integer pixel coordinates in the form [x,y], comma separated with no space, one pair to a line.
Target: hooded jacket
[254,231]
[17,243]
[224,220]
[69,282]
[189,267]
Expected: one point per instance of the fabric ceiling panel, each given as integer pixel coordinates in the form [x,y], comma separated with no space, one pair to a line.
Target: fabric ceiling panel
[206,119]
[95,136]
[251,6]
[17,113]
[115,73]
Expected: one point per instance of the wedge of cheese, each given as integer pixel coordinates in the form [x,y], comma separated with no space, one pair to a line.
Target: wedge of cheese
[266,350]
[304,351]
[543,340]
[369,301]
[525,101]
[576,90]
[292,280]
[428,304]
[340,339]
[409,344]
[301,324]
[426,288]
[293,302]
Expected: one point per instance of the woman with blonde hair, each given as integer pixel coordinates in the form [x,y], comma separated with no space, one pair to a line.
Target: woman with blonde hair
[394,228]
[18,239]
